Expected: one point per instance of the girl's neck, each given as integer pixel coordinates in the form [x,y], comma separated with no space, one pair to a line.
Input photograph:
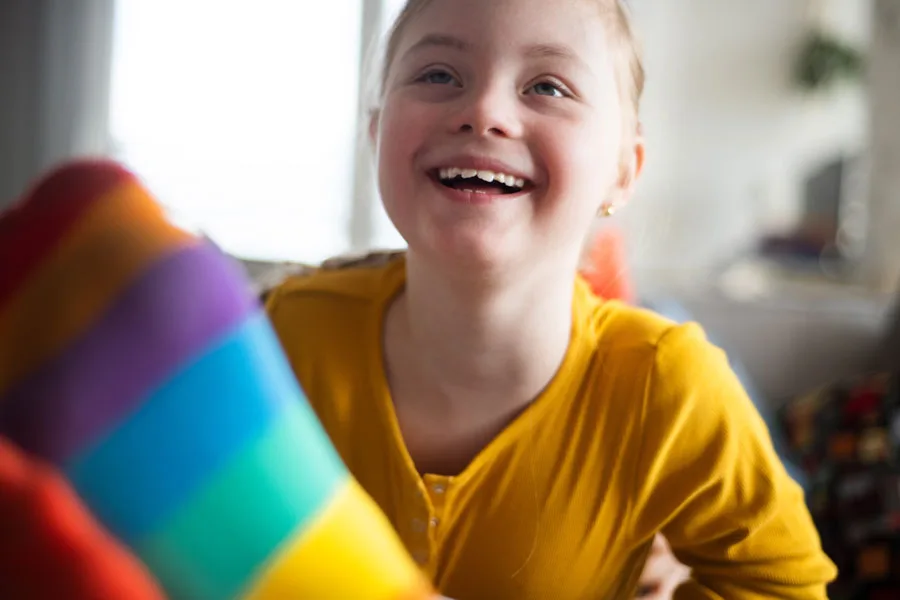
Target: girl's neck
[483,345]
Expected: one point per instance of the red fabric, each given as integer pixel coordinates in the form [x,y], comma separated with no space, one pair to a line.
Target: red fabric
[33,228]
[51,548]
[607,270]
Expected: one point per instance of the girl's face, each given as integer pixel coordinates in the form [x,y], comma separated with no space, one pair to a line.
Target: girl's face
[519,91]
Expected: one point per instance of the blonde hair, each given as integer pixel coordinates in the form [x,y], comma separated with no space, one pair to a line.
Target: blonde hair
[628,59]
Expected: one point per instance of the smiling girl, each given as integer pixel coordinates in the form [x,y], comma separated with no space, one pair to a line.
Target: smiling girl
[527,439]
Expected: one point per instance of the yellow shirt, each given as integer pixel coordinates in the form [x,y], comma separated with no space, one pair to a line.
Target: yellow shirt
[643,429]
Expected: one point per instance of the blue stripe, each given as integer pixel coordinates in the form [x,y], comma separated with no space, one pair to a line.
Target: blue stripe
[187,430]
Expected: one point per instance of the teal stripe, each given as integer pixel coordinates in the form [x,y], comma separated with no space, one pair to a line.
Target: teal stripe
[215,545]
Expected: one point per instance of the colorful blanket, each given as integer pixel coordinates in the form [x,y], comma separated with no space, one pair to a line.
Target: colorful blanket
[135,360]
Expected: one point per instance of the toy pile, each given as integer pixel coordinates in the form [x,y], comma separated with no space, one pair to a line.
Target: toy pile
[847,437]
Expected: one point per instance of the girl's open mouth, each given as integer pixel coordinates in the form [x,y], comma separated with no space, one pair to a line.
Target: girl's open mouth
[480,182]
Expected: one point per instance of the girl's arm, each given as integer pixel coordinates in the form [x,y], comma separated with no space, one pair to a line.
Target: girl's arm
[709,479]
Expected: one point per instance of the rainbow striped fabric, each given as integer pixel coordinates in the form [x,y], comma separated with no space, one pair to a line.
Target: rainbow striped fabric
[135,359]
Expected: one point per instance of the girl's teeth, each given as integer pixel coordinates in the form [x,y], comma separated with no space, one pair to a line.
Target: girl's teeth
[488,176]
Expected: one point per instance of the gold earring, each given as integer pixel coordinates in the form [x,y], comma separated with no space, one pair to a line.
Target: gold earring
[608,210]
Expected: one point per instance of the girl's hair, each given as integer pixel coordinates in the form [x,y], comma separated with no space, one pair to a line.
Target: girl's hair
[627,53]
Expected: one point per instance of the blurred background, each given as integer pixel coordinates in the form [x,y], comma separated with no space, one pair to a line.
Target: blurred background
[769,210]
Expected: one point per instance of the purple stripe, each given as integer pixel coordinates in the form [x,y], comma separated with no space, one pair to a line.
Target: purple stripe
[177,308]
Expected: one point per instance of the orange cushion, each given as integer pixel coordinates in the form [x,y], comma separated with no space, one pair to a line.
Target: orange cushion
[607,269]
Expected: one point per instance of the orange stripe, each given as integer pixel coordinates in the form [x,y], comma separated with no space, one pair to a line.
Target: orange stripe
[31,230]
[120,236]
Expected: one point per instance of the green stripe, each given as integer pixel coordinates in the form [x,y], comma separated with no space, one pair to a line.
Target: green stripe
[212,548]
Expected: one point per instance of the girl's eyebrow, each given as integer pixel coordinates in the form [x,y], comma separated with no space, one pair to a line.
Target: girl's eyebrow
[551,51]
[560,51]
[442,41]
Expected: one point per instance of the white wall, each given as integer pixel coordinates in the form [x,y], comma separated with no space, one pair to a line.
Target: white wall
[884,229]
[729,138]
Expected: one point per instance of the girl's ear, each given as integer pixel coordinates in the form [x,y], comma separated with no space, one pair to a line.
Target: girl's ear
[631,170]
[634,162]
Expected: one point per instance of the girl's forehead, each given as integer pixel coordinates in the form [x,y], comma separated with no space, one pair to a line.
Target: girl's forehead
[575,26]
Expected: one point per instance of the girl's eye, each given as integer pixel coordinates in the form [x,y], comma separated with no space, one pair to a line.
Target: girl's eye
[438,78]
[548,88]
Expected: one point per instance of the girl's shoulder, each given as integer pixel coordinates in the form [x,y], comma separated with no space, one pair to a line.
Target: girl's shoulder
[618,326]
[345,274]
[640,340]
[324,314]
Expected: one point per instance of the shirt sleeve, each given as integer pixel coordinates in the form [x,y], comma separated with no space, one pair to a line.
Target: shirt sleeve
[710,480]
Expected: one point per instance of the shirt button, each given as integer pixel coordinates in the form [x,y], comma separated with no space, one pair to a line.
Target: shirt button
[439,488]
[434,522]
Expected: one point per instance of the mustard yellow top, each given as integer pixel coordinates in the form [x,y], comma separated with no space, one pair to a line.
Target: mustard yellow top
[643,429]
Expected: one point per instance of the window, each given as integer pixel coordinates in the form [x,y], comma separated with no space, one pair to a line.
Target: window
[241,115]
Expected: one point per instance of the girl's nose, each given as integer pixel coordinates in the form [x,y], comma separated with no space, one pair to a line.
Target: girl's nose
[491,112]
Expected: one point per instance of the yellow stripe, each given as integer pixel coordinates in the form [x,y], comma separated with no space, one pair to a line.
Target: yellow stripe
[121,235]
[349,552]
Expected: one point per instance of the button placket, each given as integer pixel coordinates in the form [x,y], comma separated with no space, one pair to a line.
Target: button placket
[420,525]
[421,557]
[437,489]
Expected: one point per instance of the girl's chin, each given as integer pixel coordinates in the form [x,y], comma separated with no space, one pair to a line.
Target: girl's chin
[475,254]
[483,242]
